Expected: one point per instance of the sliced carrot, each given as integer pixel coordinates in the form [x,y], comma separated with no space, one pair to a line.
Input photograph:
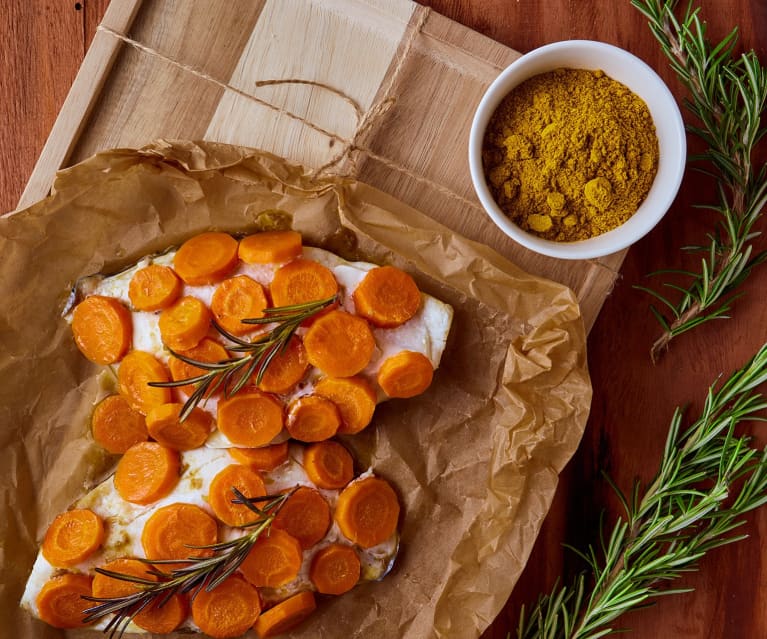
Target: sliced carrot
[286,369]
[250,418]
[137,369]
[60,601]
[335,569]
[228,610]
[116,426]
[406,374]
[302,281]
[154,618]
[172,531]
[273,561]
[355,398]
[206,258]
[367,511]
[339,344]
[208,350]
[183,325]
[387,297]
[146,472]
[220,494]
[236,299]
[164,425]
[154,288]
[285,615]
[329,465]
[312,418]
[72,537]
[305,515]
[270,246]
[266,458]
[103,328]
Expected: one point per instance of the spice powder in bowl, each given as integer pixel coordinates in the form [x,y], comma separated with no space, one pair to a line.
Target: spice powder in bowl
[570,154]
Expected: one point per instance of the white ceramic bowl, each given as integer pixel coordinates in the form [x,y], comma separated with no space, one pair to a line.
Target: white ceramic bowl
[642,80]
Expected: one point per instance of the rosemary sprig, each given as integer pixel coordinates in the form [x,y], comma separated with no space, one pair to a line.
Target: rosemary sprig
[691,506]
[198,573]
[233,374]
[727,95]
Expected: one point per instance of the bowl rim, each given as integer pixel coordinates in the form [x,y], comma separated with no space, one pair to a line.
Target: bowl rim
[670,167]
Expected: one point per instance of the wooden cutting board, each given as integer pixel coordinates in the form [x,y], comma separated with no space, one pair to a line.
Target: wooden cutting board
[387,86]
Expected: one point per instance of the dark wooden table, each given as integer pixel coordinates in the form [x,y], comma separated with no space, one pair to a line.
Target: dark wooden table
[43,43]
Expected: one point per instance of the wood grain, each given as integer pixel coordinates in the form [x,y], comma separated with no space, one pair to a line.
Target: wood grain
[44,43]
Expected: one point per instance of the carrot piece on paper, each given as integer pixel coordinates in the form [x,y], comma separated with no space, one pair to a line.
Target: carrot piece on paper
[270,246]
[250,419]
[355,398]
[274,560]
[164,425]
[335,569]
[339,344]
[172,530]
[367,511]
[329,465]
[286,369]
[60,601]
[103,328]
[206,258]
[406,374]
[146,472]
[116,426]
[387,297]
[185,323]
[228,610]
[302,281]
[266,458]
[208,350]
[72,537]
[305,515]
[137,369]
[312,418]
[285,615]
[236,299]
[154,288]
[220,494]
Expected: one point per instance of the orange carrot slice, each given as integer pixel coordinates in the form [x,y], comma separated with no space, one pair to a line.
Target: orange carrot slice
[266,458]
[273,561]
[228,610]
[236,299]
[206,258]
[285,615]
[355,398]
[329,465]
[116,426]
[250,418]
[154,288]
[154,618]
[146,472]
[312,418]
[165,427]
[302,281]
[137,369]
[220,494]
[183,325]
[172,530]
[208,350]
[339,344]
[367,511]
[387,297]
[335,569]
[270,246]
[72,537]
[102,328]
[305,515]
[60,601]
[405,374]
[286,369]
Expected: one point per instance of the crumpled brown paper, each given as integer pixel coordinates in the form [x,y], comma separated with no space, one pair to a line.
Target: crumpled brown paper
[475,459]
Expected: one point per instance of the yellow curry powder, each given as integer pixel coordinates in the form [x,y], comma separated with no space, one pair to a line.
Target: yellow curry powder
[570,154]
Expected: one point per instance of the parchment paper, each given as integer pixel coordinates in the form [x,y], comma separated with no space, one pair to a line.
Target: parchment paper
[475,459]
